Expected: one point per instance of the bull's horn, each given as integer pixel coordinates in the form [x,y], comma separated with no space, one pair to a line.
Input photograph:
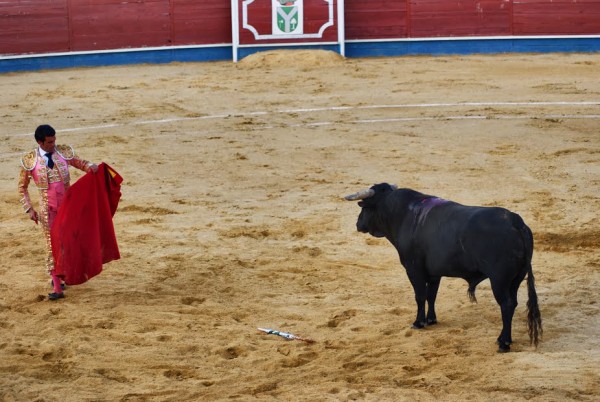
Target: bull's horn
[361,195]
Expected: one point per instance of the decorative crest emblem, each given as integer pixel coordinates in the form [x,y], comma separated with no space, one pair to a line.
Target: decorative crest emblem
[288,17]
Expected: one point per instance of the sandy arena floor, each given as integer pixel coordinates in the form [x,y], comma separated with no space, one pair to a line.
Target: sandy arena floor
[232,219]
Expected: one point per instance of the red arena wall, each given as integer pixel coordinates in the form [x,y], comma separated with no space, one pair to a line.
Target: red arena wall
[38,26]
[431,18]
[34,27]
[51,26]
[556,17]
[388,19]
[376,19]
[110,24]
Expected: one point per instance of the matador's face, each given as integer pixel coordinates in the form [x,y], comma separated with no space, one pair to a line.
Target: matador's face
[48,144]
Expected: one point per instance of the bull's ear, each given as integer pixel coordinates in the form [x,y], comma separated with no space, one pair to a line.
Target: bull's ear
[361,204]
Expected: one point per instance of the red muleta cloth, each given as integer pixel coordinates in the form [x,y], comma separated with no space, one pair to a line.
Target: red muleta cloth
[83,235]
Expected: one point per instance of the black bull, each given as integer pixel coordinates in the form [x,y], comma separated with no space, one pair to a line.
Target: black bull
[436,238]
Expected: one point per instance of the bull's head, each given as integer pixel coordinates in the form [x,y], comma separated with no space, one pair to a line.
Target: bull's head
[368,220]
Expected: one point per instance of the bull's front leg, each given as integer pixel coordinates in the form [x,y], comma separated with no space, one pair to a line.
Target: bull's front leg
[432,289]
[421,321]
[420,287]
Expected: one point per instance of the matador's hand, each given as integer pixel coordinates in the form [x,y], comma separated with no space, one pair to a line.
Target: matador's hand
[93,168]
[33,215]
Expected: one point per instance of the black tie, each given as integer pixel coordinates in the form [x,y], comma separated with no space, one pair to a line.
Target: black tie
[50,161]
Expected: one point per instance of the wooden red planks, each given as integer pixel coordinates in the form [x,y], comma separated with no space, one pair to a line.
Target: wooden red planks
[434,18]
[201,22]
[556,17]
[113,24]
[376,19]
[33,26]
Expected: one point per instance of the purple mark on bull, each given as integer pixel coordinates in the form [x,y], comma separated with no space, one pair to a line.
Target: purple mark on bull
[421,209]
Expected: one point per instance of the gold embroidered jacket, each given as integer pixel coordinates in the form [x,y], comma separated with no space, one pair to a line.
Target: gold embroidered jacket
[33,167]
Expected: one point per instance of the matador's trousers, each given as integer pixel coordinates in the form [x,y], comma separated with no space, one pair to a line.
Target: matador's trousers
[49,202]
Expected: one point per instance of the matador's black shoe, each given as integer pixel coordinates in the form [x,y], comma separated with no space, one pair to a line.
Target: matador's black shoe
[56,296]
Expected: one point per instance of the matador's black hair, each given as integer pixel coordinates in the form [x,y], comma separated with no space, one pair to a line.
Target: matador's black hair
[44,131]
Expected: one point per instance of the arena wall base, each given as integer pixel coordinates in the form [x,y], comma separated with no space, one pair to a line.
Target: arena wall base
[114,57]
[463,46]
[249,50]
[372,48]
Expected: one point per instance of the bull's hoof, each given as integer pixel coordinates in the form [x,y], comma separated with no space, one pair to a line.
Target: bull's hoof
[503,347]
[431,322]
[418,325]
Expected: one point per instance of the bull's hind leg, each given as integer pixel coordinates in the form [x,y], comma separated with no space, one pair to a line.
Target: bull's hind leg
[507,300]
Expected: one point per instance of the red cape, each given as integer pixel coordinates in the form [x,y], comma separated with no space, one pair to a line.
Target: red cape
[83,236]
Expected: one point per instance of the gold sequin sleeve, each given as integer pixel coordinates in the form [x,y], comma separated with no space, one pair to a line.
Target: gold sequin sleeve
[80,164]
[24,179]
[72,159]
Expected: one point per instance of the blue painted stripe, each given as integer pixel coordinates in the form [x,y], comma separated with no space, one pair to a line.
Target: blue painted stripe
[401,47]
[117,57]
[471,46]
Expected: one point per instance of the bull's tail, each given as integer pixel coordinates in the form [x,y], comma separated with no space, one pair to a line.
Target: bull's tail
[534,317]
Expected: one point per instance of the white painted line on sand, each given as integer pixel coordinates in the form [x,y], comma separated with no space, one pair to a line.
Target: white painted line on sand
[325,109]
[358,121]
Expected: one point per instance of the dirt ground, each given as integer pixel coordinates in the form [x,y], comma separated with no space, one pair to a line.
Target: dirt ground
[232,218]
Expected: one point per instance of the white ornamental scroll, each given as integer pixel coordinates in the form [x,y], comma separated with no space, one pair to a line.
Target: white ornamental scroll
[283,11]
[287,24]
